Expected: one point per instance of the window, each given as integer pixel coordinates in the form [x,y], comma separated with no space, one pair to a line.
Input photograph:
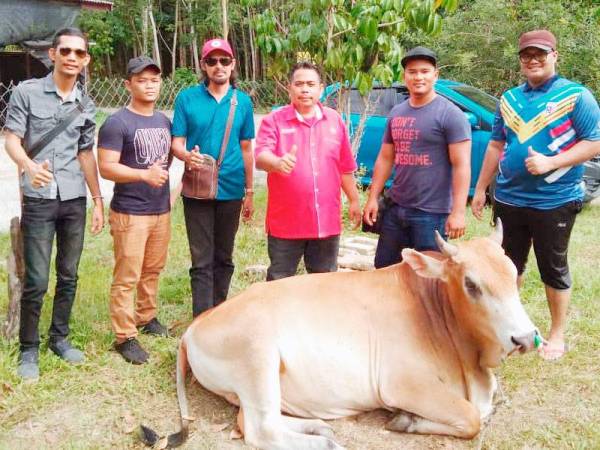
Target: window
[481,98]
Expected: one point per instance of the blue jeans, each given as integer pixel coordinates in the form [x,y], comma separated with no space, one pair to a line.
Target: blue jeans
[320,255]
[407,228]
[41,220]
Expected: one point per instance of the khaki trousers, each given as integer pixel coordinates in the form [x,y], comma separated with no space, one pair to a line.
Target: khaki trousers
[140,248]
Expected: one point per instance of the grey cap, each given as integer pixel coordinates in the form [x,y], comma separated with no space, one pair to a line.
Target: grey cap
[139,64]
[419,53]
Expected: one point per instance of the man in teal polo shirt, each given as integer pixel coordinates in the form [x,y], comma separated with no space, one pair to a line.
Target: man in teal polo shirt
[199,124]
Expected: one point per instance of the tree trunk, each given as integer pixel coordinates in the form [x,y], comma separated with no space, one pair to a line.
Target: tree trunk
[252,48]
[145,31]
[194,46]
[175,29]
[108,66]
[245,53]
[183,49]
[224,15]
[16,274]
[155,47]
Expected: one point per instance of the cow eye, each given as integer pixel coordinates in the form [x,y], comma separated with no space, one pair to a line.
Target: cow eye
[472,288]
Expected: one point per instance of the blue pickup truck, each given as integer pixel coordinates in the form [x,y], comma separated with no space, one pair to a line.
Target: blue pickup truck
[478,106]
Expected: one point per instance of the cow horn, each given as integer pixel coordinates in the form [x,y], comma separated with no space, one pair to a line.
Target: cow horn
[497,233]
[445,247]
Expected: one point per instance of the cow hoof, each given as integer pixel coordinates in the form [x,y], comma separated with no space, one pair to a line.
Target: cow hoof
[401,422]
[332,445]
[322,431]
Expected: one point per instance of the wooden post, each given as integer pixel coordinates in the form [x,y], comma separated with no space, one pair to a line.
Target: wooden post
[16,273]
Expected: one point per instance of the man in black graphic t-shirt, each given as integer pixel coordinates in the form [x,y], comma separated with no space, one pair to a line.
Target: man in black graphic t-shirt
[133,151]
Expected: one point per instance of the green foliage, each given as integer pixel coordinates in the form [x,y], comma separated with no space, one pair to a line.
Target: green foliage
[478,44]
[185,75]
[357,41]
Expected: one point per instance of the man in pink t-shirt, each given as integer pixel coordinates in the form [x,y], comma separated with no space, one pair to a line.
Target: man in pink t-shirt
[305,149]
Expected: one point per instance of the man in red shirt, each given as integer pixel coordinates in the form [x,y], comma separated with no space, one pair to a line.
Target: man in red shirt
[305,149]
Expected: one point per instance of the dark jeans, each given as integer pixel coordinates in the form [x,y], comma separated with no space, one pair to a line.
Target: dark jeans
[41,220]
[320,255]
[211,227]
[407,228]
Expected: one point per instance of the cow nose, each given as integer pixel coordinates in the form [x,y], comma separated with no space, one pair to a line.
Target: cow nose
[525,342]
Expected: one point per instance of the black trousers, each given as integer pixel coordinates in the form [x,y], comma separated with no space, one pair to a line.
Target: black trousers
[549,230]
[211,227]
[41,220]
[320,255]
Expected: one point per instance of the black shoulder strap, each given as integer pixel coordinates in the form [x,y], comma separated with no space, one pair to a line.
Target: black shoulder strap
[36,148]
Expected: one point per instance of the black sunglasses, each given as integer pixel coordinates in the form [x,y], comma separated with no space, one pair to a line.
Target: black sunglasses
[224,61]
[79,52]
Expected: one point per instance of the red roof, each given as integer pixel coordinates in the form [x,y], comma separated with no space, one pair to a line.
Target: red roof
[102,5]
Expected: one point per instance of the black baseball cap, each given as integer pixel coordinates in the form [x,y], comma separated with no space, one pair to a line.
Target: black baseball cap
[139,64]
[419,53]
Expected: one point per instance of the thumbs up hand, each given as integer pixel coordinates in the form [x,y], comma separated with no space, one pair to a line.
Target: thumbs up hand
[538,164]
[288,161]
[39,174]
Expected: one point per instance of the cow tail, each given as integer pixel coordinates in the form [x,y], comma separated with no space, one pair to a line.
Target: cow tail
[149,437]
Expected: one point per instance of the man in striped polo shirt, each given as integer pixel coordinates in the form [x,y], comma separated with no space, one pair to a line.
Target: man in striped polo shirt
[544,130]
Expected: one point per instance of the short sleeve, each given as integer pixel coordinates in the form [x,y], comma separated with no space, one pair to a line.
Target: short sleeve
[180,128]
[347,161]
[17,112]
[498,132]
[387,134]
[247,130]
[586,117]
[111,134]
[457,127]
[268,136]
[88,130]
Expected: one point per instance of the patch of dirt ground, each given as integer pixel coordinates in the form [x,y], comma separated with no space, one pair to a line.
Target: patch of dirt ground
[103,420]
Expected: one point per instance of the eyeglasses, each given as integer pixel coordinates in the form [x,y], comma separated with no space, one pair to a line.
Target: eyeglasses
[79,52]
[527,57]
[224,61]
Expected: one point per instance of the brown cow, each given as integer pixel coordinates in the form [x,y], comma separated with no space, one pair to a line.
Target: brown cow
[419,338]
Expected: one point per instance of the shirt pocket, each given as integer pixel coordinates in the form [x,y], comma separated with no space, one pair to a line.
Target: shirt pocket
[40,121]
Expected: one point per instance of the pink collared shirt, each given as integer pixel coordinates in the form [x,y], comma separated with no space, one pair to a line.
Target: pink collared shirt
[306,204]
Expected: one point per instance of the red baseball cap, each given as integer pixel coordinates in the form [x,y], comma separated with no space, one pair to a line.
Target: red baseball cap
[542,39]
[214,45]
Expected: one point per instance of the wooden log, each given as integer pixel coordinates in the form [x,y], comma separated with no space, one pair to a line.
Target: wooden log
[16,274]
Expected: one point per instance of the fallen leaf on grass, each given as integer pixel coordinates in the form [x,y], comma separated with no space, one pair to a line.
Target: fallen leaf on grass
[51,438]
[161,444]
[235,433]
[129,424]
[216,427]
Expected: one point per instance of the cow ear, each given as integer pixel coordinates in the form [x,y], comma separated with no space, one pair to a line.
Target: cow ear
[423,265]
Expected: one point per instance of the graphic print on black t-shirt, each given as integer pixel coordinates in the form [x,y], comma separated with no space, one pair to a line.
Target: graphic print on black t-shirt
[405,133]
[151,145]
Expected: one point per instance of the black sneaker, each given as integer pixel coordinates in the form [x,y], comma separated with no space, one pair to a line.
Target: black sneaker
[155,328]
[132,351]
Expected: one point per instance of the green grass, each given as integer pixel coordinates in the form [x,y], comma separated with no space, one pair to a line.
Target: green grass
[544,405]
